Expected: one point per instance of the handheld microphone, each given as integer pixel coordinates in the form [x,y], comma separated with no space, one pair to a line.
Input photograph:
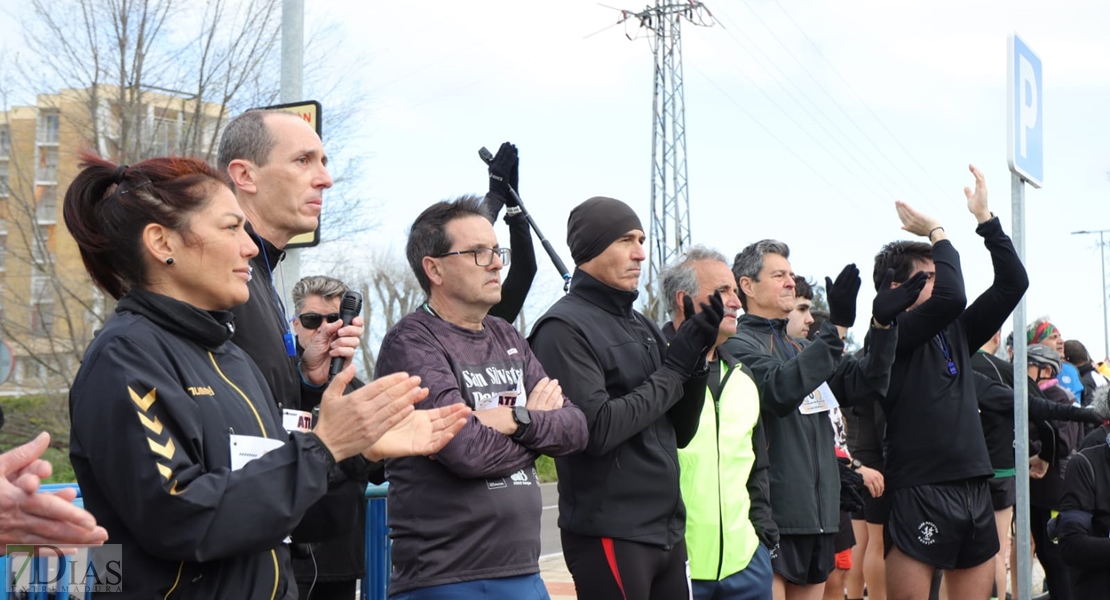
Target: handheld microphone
[349,308]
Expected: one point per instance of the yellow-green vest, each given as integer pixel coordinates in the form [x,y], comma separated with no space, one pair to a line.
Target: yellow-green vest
[713,475]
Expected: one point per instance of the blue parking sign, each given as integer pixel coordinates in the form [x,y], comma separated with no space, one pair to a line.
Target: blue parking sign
[1025,138]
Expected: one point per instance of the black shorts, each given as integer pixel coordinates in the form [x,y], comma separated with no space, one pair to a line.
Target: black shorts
[946,525]
[846,537]
[1003,492]
[805,559]
[876,510]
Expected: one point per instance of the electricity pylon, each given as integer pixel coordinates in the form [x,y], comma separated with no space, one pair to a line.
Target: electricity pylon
[670,198]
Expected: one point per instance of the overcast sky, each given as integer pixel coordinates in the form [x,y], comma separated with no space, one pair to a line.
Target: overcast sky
[805,121]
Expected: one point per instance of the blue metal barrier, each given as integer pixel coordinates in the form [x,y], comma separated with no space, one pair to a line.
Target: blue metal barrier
[375,585]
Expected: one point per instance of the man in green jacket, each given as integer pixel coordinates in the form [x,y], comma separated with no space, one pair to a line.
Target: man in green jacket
[729,530]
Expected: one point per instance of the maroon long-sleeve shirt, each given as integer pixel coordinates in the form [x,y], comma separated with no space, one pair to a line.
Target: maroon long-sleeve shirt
[473,510]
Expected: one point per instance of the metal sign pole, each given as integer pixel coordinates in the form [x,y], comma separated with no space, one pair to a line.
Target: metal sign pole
[1021,409]
[1025,155]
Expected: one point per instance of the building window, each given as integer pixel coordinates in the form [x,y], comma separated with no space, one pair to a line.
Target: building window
[30,370]
[3,250]
[42,318]
[47,168]
[47,207]
[48,128]
[40,288]
[3,179]
[163,136]
[40,254]
[5,141]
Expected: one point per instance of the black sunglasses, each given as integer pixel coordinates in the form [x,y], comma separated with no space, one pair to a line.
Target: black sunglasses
[314,320]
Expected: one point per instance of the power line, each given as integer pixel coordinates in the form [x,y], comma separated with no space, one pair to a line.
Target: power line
[795,121]
[910,155]
[670,194]
[843,135]
[836,139]
[772,134]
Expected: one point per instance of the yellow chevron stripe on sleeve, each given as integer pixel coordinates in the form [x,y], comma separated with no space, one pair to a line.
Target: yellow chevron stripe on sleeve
[164,470]
[145,401]
[163,451]
[155,425]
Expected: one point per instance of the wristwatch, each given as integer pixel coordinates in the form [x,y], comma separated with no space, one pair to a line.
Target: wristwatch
[856,464]
[523,421]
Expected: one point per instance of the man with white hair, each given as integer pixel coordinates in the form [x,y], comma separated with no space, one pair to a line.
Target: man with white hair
[729,536]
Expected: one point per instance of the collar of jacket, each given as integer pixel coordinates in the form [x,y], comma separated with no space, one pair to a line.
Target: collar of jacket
[762,323]
[722,354]
[609,299]
[270,252]
[208,328]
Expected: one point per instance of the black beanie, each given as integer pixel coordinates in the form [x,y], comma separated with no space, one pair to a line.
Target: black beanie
[595,224]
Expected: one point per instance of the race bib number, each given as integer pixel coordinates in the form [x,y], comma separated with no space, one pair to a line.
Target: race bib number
[819,401]
[245,448]
[296,420]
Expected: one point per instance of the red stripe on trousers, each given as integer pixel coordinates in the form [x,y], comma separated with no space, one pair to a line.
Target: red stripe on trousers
[611,556]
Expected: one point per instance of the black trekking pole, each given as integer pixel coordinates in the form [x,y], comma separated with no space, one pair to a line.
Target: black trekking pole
[487,157]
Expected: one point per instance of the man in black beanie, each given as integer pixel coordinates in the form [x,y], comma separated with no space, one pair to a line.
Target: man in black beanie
[621,517]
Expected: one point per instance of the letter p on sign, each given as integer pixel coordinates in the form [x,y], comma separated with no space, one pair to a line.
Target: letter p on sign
[1025,111]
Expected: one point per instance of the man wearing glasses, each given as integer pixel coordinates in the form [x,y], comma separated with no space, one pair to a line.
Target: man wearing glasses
[466,521]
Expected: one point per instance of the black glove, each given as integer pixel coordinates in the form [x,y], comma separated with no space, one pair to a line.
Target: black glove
[503,172]
[696,336]
[891,302]
[841,296]
[1084,415]
[850,483]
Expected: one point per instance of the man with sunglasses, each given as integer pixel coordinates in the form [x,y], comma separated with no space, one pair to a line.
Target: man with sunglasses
[936,459]
[466,521]
[341,562]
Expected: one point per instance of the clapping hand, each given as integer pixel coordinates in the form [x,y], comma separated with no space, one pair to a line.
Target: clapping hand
[977,199]
[893,301]
[913,221]
[841,296]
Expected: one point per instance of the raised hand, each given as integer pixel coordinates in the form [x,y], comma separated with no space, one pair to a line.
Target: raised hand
[28,516]
[421,433]
[913,221]
[841,296]
[350,423]
[977,200]
[504,172]
[330,340]
[697,334]
[893,301]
